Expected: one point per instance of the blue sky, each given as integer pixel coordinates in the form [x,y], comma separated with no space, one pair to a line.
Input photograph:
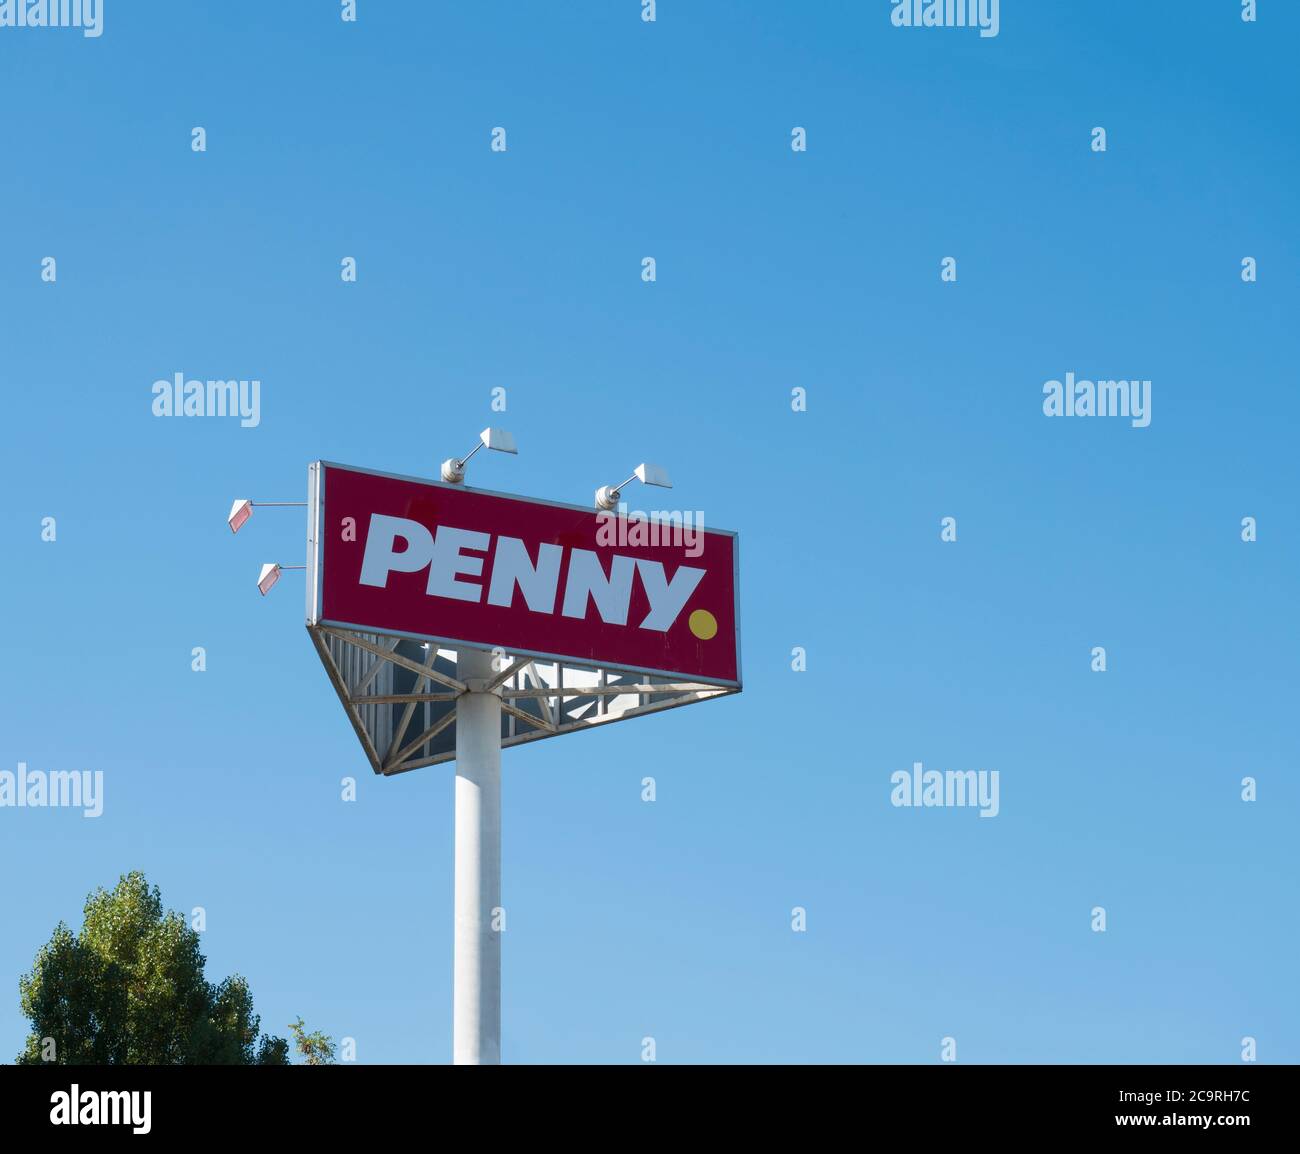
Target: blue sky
[775,269]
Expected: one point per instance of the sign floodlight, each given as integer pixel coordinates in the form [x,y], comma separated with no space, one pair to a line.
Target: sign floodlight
[270,574]
[242,509]
[453,468]
[240,512]
[607,496]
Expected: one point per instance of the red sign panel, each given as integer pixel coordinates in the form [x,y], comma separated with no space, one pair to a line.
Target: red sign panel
[444,563]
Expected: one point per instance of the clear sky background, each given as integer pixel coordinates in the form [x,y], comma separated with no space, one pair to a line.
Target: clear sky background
[775,270]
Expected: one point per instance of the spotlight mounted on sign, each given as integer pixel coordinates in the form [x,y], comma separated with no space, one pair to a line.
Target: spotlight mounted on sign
[270,574]
[453,468]
[607,495]
[241,510]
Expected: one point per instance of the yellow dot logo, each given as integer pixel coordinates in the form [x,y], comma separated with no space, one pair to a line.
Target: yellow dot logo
[703,624]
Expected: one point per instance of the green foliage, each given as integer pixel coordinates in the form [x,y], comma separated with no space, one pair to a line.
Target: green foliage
[130,990]
[316,1049]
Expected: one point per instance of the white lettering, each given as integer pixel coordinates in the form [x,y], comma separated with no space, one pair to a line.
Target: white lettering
[587,579]
[381,558]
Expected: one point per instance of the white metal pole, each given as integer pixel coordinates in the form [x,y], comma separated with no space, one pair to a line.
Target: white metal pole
[476,972]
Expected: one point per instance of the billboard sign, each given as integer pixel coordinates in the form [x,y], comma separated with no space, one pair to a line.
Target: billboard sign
[461,567]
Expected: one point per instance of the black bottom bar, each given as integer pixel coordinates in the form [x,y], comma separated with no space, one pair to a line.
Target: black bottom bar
[1062,1103]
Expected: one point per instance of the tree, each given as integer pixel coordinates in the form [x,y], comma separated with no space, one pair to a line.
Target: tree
[316,1049]
[130,989]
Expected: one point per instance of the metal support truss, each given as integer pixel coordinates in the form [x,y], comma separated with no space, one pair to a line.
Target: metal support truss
[400,696]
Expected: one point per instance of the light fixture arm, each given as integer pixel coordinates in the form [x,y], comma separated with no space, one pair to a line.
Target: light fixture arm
[607,496]
[243,508]
[465,459]
[453,468]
